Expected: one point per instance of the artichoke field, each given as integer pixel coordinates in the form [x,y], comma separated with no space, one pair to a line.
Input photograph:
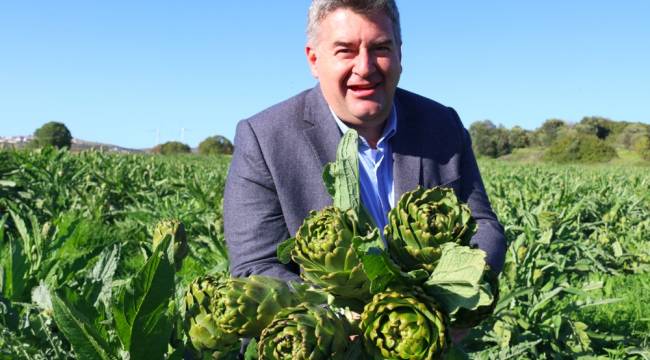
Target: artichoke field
[85,274]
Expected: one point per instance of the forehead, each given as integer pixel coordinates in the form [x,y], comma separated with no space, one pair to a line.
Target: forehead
[344,24]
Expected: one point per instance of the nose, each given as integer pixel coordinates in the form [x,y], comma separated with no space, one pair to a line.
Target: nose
[364,64]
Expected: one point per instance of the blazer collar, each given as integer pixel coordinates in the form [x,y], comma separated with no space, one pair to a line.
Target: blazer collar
[322,132]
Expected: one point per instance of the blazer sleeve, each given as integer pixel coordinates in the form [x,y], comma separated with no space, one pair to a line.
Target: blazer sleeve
[254,224]
[490,235]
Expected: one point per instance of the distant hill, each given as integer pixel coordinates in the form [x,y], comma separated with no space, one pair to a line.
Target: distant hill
[77,145]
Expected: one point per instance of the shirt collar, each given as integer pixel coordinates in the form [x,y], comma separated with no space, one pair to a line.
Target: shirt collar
[389,129]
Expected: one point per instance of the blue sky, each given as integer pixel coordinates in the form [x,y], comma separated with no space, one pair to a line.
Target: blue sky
[119,71]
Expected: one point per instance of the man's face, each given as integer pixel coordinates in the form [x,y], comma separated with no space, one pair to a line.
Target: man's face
[357,61]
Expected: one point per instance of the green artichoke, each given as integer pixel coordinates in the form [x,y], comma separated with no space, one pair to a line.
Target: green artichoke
[306,332]
[201,303]
[469,318]
[404,325]
[175,229]
[248,305]
[324,249]
[422,220]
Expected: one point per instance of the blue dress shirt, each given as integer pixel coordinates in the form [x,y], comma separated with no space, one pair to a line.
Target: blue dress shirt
[376,171]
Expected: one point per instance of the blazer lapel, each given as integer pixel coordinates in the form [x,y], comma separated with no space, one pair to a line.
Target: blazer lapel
[407,162]
[322,132]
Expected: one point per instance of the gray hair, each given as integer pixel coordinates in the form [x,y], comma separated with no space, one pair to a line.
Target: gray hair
[319,9]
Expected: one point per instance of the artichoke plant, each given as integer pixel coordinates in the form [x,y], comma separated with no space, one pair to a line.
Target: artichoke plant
[421,221]
[176,229]
[325,251]
[201,304]
[306,332]
[404,325]
[248,305]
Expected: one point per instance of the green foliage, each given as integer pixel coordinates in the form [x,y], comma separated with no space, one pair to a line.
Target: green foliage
[172,148]
[567,227]
[629,311]
[642,146]
[52,134]
[83,224]
[596,126]
[216,145]
[579,148]
[550,131]
[519,138]
[632,134]
[489,140]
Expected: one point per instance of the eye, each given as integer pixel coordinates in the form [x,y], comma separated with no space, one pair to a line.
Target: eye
[383,49]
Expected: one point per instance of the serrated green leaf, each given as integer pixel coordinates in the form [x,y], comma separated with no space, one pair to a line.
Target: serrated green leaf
[85,340]
[284,250]
[341,177]
[455,282]
[143,310]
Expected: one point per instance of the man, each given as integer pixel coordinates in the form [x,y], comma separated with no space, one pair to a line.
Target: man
[354,50]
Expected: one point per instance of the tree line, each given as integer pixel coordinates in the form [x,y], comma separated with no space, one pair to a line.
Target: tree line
[58,135]
[593,139]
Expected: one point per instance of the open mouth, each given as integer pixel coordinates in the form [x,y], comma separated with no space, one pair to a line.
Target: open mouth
[363,90]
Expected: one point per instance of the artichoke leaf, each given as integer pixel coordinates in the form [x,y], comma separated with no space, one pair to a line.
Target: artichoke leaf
[284,250]
[383,272]
[456,281]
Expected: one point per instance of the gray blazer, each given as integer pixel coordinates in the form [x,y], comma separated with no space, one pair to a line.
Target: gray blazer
[275,175]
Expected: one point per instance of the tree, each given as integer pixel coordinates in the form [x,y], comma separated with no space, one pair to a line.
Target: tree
[489,140]
[579,147]
[53,134]
[215,145]
[642,146]
[550,130]
[597,126]
[632,134]
[519,137]
[171,148]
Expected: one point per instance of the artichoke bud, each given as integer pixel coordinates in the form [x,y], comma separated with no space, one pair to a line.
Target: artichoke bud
[325,250]
[404,325]
[251,303]
[176,229]
[200,305]
[306,331]
[521,253]
[421,221]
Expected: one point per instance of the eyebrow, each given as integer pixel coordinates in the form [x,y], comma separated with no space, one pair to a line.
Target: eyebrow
[350,44]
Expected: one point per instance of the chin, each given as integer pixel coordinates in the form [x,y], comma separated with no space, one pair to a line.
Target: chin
[367,114]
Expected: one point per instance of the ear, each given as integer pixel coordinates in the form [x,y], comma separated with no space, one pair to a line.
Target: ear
[311,59]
